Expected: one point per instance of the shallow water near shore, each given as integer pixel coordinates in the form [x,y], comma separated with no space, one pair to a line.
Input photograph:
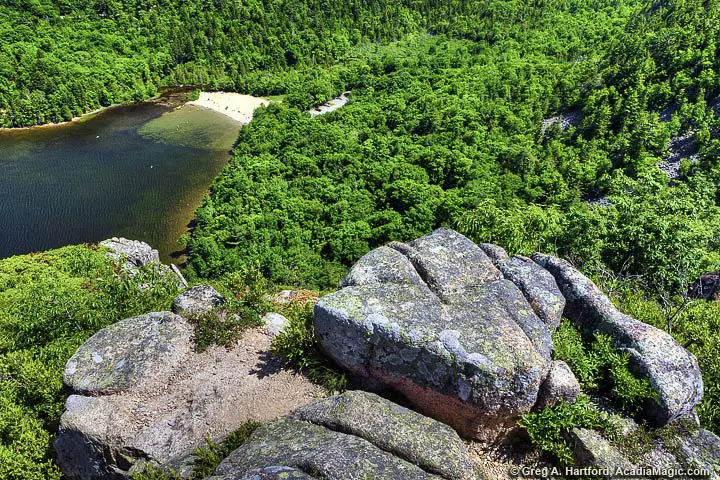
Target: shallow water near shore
[137,171]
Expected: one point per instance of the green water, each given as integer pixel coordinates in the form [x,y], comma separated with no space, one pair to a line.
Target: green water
[137,171]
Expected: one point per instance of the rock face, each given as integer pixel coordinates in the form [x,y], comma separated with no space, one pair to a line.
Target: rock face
[560,384]
[197,301]
[655,355]
[536,283]
[435,320]
[136,254]
[128,353]
[142,395]
[433,446]
[356,435]
[707,287]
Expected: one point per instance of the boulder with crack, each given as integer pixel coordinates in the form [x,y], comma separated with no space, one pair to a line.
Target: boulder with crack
[655,355]
[356,435]
[437,321]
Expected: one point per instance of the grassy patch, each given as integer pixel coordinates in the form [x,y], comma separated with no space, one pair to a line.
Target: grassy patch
[50,303]
[300,349]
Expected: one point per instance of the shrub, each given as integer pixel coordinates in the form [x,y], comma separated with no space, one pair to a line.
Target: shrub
[207,458]
[548,428]
[599,367]
[300,349]
[246,293]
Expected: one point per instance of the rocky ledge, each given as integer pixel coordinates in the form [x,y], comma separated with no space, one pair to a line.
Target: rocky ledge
[458,334]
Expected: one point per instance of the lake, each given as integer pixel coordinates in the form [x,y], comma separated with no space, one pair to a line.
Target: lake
[137,171]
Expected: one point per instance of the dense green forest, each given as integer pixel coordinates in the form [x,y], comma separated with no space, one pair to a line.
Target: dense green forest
[446,125]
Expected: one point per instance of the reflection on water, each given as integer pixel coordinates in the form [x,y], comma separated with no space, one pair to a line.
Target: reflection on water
[136,171]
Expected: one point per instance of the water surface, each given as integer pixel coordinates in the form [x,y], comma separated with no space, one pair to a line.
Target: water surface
[137,171]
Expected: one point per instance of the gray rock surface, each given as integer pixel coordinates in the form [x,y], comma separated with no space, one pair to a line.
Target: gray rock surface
[427,443]
[169,408]
[267,473]
[560,384]
[129,354]
[134,253]
[702,449]
[655,355]
[325,453]
[274,323]
[497,254]
[592,450]
[538,286]
[197,301]
[458,340]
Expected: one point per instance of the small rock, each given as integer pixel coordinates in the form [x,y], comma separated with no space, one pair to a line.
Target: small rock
[592,450]
[197,301]
[274,323]
[287,297]
[560,384]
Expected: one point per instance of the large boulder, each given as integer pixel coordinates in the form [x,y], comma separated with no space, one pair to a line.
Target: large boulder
[312,448]
[356,435]
[117,357]
[197,301]
[536,283]
[427,443]
[655,355]
[142,395]
[435,320]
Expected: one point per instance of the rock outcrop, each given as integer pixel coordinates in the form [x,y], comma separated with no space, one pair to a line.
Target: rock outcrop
[435,320]
[356,435]
[142,395]
[655,355]
[132,252]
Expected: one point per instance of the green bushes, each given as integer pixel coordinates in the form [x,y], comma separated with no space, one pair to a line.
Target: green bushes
[50,303]
[245,293]
[549,427]
[300,349]
[600,368]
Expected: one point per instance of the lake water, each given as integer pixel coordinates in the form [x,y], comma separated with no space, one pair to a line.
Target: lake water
[137,171]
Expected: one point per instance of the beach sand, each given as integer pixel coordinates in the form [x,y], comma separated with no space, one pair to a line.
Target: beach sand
[236,106]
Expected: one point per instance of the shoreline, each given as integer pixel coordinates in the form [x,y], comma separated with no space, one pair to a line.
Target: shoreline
[65,123]
[237,106]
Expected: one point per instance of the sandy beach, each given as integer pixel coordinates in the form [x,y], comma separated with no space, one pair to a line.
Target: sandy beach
[235,105]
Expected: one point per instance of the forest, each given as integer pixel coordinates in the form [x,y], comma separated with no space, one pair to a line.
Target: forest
[534,125]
